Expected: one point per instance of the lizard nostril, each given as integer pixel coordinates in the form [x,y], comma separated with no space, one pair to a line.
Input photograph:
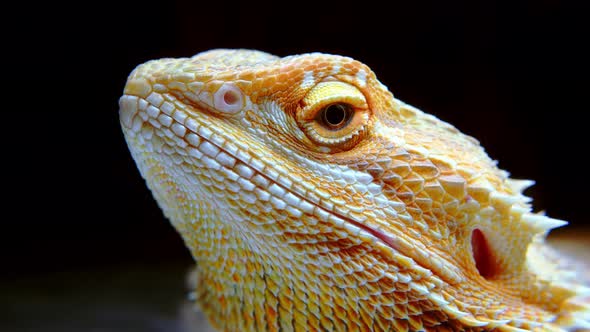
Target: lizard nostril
[482,254]
[230,97]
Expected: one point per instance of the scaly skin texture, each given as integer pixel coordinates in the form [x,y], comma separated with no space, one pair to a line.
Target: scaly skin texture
[365,216]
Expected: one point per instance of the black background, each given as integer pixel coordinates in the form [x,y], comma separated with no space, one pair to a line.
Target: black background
[511,75]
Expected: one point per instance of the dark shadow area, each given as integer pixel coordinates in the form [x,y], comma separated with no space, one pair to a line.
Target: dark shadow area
[118,298]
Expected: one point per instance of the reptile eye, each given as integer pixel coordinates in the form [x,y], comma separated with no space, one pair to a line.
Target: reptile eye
[334,115]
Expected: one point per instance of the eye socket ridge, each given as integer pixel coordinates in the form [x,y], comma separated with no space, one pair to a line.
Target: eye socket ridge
[334,116]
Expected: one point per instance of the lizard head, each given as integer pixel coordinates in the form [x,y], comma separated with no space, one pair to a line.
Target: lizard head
[309,196]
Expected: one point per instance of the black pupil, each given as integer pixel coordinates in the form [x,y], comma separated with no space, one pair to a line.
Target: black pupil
[335,114]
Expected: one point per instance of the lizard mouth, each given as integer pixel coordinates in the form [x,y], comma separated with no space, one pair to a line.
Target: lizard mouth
[136,112]
[209,145]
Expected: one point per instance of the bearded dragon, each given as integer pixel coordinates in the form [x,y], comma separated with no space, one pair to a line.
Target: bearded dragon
[313,200]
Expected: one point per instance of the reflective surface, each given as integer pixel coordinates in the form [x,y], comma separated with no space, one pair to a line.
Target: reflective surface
[120,298]
[135,297]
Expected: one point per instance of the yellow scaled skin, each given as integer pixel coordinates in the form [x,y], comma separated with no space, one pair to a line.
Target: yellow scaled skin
[306,217]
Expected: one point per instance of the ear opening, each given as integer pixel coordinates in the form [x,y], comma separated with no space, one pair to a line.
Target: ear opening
[484,258]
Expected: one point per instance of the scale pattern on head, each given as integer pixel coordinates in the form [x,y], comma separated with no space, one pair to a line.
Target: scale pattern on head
[312,199]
